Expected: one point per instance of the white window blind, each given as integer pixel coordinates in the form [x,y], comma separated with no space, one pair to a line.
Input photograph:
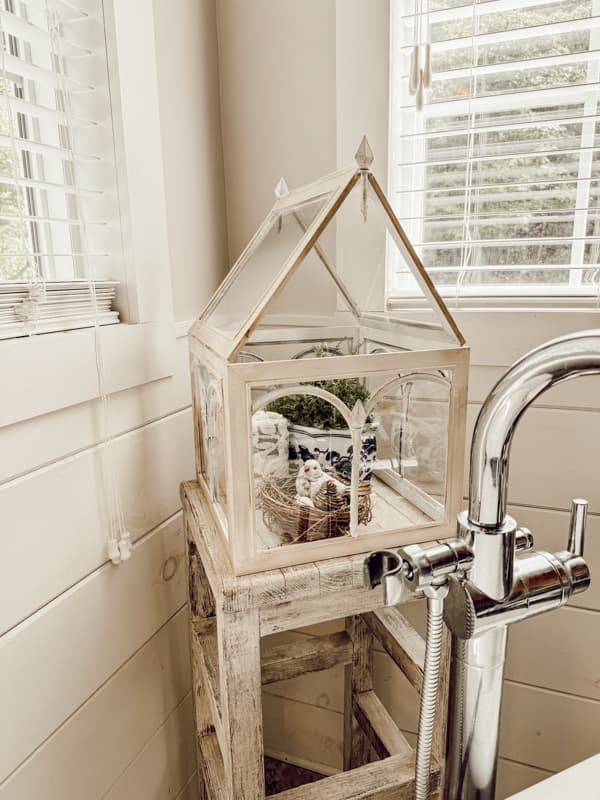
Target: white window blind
[497,179]
[59,225]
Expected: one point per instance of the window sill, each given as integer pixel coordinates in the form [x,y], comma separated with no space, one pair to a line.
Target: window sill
[499,331]
[504,302]
[47,372]
[500,336]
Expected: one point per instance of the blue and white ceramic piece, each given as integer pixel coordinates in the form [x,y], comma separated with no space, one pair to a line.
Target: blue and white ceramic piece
[332,449]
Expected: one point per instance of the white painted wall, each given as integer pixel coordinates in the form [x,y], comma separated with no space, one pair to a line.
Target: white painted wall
[277,72]
[94,668]
[551,714]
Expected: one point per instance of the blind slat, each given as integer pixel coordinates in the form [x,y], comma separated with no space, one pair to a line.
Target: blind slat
[31,146]
[49,186]
[505,268]
[18,105]
[480,40]
[49,220]
[498,126]
[482,9]
[25,30]
[551,182]
[529,98]
[505,242]
[505,217]
[59,7]
[17,69]
[55,255]
[458,156]
[544,62]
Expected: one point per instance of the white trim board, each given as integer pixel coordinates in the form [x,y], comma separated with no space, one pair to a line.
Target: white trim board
[40,441]
[53,371]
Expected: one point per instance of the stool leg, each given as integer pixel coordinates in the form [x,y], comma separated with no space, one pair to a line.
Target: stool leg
[241,703]
[200,604]
[358,678]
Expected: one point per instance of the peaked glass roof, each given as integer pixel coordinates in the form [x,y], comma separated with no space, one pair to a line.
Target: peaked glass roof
[322,257]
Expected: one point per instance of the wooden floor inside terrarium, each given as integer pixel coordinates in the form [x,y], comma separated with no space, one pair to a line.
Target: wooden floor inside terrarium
[389,508]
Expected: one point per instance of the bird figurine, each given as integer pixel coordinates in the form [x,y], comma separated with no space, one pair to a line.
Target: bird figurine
[311,478]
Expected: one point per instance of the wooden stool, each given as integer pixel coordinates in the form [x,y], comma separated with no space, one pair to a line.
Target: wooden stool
[230,614]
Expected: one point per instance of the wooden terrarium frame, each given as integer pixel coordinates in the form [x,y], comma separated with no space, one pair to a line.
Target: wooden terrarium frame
[248,350]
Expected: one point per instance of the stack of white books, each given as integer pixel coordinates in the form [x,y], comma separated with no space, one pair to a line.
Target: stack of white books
[27,308]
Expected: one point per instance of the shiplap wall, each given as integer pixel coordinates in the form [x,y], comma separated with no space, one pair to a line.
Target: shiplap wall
[94,666]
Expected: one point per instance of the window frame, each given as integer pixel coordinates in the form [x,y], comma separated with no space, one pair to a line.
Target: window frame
[47,372]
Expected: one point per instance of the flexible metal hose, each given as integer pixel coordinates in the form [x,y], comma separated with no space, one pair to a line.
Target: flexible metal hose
[433,654]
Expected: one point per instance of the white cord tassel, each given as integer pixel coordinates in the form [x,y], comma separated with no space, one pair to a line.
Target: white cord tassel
[420,73]
[420,96]
[413,78]
[427,66]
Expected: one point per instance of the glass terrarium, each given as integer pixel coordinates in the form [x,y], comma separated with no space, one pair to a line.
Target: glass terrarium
[329,418]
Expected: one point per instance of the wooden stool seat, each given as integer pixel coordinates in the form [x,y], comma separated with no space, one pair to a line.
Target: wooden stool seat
[229,616]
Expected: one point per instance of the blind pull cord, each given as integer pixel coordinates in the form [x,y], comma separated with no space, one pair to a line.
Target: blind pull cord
[119,538]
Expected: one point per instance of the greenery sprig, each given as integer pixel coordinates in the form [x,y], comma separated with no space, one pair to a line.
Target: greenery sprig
[314,412]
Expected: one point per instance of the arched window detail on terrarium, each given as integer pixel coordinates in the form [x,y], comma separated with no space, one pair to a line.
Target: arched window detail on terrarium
[208,394]
[304,320]
[303,440]
[409,416]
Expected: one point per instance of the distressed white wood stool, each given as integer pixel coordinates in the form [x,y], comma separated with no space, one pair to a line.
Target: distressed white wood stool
[230,614]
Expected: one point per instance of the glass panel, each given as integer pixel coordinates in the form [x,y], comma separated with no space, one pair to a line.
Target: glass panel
[212,437]
[302,346]
[365,255]
[303,452]
[302,462]
[258,268]
[311,306]
[409,417]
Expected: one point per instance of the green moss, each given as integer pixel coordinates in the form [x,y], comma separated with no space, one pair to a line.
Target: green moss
[314,412]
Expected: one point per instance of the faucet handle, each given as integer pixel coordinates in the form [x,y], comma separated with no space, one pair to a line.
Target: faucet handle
[523,539]
[577,523]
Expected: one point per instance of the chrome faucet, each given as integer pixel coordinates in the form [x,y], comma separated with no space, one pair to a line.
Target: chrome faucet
[493,578]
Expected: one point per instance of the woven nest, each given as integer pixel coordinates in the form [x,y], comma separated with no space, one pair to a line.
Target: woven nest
[297,522]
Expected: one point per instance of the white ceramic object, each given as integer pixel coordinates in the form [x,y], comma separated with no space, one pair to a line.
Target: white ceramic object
[581,782]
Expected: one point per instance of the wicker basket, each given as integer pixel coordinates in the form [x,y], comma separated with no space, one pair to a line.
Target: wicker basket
[296,522]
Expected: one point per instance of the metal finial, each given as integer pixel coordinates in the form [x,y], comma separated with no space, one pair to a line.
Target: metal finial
[281,190]
[364,155]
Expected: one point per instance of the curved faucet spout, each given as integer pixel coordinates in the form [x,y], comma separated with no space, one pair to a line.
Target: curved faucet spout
[552,363]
